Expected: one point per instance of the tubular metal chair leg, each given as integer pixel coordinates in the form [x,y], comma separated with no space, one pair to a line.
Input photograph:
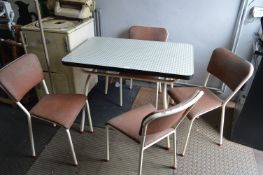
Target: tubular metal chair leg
[82,120]
[131,83]
[170,99]
[160,87]
[165,104]
[120,91]
[175,160]
[89,116]
[31,136]
[172,85]
[108,143]
[141,160]
[168,142]
[106,85]
[72,147]
[222,125]
[86,89]
[188,135]
[157,95]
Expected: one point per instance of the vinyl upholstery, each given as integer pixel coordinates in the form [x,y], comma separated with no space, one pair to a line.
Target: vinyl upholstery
[148,33]
[61,109]
[161,124]
[208,102]
[21,75]
[228,67]
[131,123]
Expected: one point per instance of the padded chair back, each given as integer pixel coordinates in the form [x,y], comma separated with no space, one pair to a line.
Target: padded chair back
[229,68]
[171,117]
[148,33]
[21,75]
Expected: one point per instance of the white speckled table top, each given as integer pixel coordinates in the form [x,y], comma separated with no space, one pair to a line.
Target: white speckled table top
[164,59]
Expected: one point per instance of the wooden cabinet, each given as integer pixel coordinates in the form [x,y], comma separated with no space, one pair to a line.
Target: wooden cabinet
[62,36]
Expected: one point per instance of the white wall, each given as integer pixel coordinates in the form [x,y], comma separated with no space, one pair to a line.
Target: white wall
[206,24]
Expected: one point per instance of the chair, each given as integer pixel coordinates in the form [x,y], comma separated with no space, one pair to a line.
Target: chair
[143,33]
[21,75]
[147,126]
[227,67]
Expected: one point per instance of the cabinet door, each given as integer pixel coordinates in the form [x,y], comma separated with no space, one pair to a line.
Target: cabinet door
[34,45]
[40,89]
[60,84]
[56,46]
[80,78]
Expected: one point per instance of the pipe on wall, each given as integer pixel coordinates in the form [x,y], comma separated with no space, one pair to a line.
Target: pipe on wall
[238,30]
[239,24]
[98,28]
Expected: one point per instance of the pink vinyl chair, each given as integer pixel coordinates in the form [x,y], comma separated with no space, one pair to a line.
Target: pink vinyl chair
[143,33]
[227,67]
[21,75]
[147,126]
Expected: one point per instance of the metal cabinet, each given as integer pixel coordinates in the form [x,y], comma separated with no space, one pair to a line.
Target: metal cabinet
[247,128]
[62,36]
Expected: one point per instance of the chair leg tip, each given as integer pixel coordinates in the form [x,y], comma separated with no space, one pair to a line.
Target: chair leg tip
[182,155]
[105,160]
[91,132]
[168,149]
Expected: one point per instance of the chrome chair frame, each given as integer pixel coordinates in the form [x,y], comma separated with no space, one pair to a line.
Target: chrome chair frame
[186,105]
[223,106]
[54,124]
[29,121]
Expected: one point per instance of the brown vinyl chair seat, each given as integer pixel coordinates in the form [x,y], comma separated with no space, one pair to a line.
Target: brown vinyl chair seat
[129,123]
[208,102]
[61,109]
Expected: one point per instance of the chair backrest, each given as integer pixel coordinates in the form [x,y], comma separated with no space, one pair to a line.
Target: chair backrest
[148,33]
[171,117]
[229,68]
[21,75]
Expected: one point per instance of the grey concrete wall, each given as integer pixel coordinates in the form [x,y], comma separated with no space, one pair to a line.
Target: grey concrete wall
[206,24]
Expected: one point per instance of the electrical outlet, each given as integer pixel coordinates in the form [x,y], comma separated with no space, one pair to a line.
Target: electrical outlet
[257,12]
